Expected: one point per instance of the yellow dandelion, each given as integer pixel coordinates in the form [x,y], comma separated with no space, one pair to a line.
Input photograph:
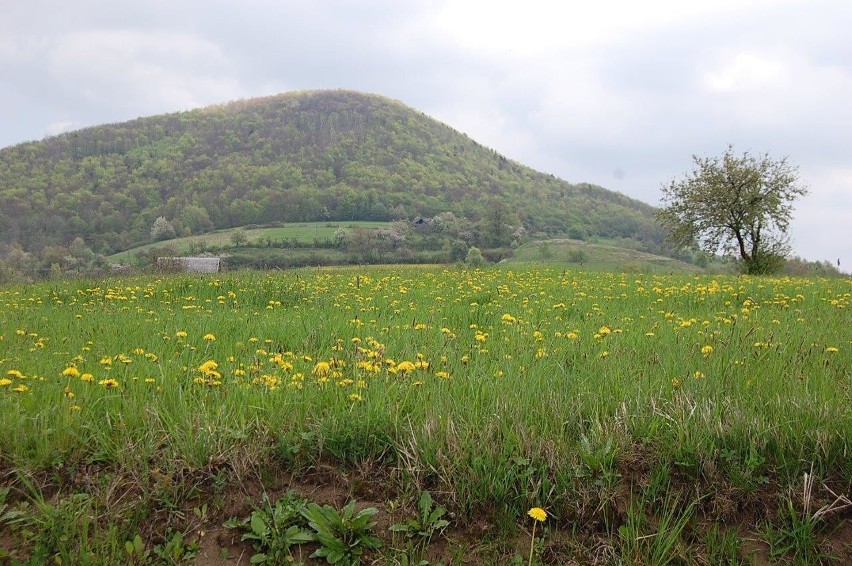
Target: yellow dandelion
[87,377]
[108,383]
[209,337]
[4,382]
[832,350]
[538,514]
[321,368]
[707,350]
[71,371]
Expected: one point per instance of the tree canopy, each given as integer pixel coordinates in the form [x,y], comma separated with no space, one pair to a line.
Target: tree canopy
[734,204]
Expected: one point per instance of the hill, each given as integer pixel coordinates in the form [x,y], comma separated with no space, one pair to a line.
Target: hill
[296,157]
[602,257]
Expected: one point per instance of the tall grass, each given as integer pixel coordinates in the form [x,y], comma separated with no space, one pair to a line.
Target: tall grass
[496,390]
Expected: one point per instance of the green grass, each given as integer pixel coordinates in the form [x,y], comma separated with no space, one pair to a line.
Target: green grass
[496,390]
[598,256]
[303,232]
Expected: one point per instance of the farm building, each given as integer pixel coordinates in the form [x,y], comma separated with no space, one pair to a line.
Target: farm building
[190,264]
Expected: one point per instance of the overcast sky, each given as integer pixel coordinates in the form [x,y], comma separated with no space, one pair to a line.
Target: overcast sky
[616,93]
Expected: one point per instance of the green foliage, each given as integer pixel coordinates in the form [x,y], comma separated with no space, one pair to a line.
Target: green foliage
[275,528]
[796,530]
[723,547]
[801,267]
[176,550]
[796,535]
[162,229]
[418,532]
[660,542]
[309,156]
[734,204]
[577,256]
[474,258]
[344,535]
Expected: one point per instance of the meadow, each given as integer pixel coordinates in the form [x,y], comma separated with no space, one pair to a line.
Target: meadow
[305,233]
[657,419]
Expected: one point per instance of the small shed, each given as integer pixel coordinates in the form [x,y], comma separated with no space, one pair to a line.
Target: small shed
[190,264]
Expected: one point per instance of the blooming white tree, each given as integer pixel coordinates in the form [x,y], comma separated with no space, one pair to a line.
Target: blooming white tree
[742,205]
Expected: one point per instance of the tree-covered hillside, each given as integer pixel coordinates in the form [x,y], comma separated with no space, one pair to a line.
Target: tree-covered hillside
[309,156]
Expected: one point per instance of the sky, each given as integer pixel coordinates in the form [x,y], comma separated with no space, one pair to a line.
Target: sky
[617,93]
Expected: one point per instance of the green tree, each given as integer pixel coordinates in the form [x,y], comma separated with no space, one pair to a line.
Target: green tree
[162,229]
[739,204]
[196,219]
[474,258]
[239,238]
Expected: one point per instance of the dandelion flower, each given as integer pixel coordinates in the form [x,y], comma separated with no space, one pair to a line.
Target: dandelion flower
[538,514]
[71,372]
[208,367]
[321,368]
[108,383]
[832,350]
[209,337]
[4,382]
[707,350]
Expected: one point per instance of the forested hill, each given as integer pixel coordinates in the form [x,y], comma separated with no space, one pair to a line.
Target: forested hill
[308,156]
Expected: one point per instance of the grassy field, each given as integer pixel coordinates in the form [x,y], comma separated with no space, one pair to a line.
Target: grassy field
[302,232]
[655,419]
[590,256]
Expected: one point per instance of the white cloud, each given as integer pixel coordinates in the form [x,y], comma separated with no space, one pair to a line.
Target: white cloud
[821,224]
[746,72]
[148,71]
